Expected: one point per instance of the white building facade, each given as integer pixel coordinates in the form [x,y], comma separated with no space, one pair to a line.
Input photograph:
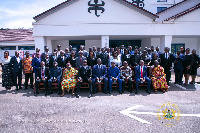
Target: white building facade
[122,22]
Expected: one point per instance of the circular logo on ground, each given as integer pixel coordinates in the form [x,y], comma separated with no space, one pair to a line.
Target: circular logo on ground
[168,114]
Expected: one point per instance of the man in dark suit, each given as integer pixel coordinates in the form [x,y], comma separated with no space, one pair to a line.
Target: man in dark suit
[46,52]
[135,58]
[99,72]
[104,57]
[16,63]
[53,58]
[36,64]
[166,62]
[80,59]
[47,61]
[67,54]
[62,60]
[178,67]
[98,52]
[42,77]
[84,75]
[141,76]
[55,76]
[158,51]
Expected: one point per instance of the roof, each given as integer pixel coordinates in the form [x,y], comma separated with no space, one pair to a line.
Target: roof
[172,6]
[69,2]
[184,12]
[7,35]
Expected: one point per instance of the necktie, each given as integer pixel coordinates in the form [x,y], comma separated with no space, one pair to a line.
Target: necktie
[141,73]
[42,72]
[99,68]
[80,59]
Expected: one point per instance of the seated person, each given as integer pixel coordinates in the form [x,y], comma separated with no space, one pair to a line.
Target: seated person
[55,76]
[99,72]
[158,77]
[114,76]
[69,79]
[126,75]
[42,77]
[84,75]
[141,76]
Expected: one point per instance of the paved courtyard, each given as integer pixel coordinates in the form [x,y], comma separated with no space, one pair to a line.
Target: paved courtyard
[22,112]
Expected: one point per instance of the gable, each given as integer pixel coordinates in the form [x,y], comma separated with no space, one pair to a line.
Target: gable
[78,13]
[190,17]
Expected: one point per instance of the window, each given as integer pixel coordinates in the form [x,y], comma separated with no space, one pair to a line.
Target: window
[76,44]
[26,47]
[176,47]
[159,9]
[161,0]
[8,48]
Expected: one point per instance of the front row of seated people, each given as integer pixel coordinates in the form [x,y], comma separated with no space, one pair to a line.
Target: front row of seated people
[71,78]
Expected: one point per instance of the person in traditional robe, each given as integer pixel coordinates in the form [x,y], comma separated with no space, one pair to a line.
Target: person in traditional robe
[158,77]
[69,79]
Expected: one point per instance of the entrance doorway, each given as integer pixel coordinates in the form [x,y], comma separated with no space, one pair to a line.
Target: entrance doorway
[76,44]
[176,47]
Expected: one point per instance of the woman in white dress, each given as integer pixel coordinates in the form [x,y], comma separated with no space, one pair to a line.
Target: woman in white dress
[7,78]
[115,59]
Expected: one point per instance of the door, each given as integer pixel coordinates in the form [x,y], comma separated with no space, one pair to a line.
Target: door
[176,47]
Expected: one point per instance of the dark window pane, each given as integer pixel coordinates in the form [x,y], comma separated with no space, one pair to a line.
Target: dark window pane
[8,48]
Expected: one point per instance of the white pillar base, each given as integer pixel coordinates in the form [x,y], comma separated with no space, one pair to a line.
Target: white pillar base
[165,41]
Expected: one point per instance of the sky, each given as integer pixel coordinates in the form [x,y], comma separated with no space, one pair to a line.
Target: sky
[16,14]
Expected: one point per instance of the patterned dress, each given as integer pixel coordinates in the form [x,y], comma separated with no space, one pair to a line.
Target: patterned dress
[159,83]
[70,77]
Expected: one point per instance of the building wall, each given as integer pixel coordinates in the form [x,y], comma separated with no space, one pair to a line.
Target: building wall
[91,43]
[63,43]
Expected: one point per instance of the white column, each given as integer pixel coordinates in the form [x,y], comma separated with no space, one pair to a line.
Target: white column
[40,42]
[104,41]
[165,41]
[49,45]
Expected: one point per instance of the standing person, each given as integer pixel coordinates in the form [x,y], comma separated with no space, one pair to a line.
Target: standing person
[7,77]
[80,59]
[99,72]
[69,79]
[114,76]
[58,50]
[28,69]
[47,61]
[72,59]
[126,57]
[178,67]
[158,51]
[188,65]
[46,52]
[182,49]
[62,60]
[195,66]
[126,75]
[82,48]
[70,49]
[16,63]
[91,59]
[122,50]
[130,50]
[36,64]
[84,75]
[67,52]
[104,57]
[94,50]
[37,51]
[141,76]
[158,77]
[55,76]
[53,58]
[115,59]
[145,58]
[166,62]
[98,52]
[42,77]
[135,59]
[155,57]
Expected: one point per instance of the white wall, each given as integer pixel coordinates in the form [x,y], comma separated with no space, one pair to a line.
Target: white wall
[63,43]
[190,17]
[91,43]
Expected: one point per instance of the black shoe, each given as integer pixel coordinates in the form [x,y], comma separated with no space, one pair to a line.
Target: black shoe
[16,89]
[20,87]
[120,92]
[90,95]
[109,92]
[148,91]
[180,83]
[105,92]
[45,95]
[94,92]
[175,83]
[131,91]
[136,92]
[35,94]
[77,95]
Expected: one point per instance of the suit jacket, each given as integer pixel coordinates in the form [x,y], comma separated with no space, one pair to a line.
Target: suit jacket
[85,73]
[113,72]
[102,73]
[138,72]
[17,67]
[43,55]
[62,62]
[46,72]
[80,63]
[47,62]
[36,64]
[166,63]
[178,62]
[135,59]
[55,72]
[126,58]
[91,61]
[104,58]
[52,59]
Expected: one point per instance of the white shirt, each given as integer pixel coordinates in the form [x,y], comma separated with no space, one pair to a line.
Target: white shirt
[5,61]
[18,59]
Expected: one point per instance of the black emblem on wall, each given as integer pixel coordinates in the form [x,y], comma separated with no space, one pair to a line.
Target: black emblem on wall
[139,3]
[96,6]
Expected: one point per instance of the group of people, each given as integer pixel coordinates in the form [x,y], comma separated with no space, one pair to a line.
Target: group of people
[71,68]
